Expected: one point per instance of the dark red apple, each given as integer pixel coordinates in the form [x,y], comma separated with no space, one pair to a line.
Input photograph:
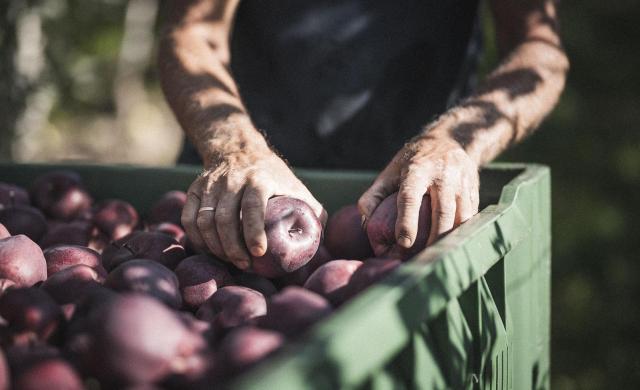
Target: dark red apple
[200,276]
[293,236]
[170,229]
[21,261]
[25,220]
[4,372]
[65,256]
[331,279]
[232,306]
[345,238]
[54,373]
[31,314]
[13,195]
[73,283]
[136,340]
[4,233]
[371,271]
[243,347]
[299,276]
[168,208]
[78,232]
[256,282]
[293,310]
[143,245]
[115,218]
[60,195]
[382,224]
[146,277]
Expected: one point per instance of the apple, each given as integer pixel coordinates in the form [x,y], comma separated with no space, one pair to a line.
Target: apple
[13,195]
[370,272]
[293,236]
[332,278]
[4,233]
[60,195]
[31,314]
[345,238]
[382,224]
[115,218]
[293,310]
[143,245]
[168,208]
[299,276]
[73,284]
[64,256]
[21,261]
[232,306]
[245,346]
[200,276]
[25,220]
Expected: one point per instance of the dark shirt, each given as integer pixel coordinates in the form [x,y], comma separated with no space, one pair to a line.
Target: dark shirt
[345,83]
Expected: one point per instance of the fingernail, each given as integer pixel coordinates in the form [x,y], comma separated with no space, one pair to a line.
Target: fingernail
[363,221]
[257,250]
[404,242]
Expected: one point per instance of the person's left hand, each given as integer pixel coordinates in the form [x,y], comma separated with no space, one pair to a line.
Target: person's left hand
[429,164]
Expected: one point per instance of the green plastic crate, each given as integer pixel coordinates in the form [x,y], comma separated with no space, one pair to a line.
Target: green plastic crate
[471,311]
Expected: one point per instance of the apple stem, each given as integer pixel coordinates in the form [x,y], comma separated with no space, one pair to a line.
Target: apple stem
[295,230]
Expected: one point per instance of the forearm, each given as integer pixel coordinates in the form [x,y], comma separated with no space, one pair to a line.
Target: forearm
[194,71]
[512,101]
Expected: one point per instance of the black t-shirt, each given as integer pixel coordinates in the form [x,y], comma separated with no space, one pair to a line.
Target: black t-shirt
[345,83]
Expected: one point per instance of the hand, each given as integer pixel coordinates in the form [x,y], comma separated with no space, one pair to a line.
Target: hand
[435,165]
[239,185]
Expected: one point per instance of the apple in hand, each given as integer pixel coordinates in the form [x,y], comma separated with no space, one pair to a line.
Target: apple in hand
[293,236]
[381,229]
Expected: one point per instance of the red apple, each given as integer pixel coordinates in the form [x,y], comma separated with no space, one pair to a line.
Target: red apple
[25,220]
[200,276]
[60,195]
[54,373]
[169,229]
[382,224]
[72,284]
[168,208]
[232,306]
[244,347]
[299,276]
[293,310]
[143,245]
[256,282]
[64,256]
[146,277]
[331,279]
[4,233]
[31,314]
[370,272]
[115,218]
[293,236]
[21,261]
[13,195]
[345,238]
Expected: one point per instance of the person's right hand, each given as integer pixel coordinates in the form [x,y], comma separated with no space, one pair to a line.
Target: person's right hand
[225,207]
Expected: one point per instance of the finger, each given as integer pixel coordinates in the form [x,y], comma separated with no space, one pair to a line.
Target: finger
[228,225]
[443,210]
[254,206]
[466,203]
[206,218]
[385,184]
[190,214]
[410,195]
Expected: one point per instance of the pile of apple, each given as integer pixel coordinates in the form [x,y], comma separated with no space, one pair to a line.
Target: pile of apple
[91,291]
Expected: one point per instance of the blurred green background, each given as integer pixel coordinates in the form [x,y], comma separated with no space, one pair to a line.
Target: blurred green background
[78,81]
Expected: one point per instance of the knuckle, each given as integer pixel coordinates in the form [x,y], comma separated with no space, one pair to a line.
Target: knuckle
[408,197]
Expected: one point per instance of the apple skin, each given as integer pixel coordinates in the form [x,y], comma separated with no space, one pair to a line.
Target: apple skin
[61,257]
[31,314]
[13,195]
[143,245]
[146,277]
[4,233]
[370,272]
[21,261]
[293,310]
[232,306]
[300,276]
[382,225]
[345,238]
[256,282]
[245,346]
[332,278]
[115,218]
[168,208]
[54,373]
[169,229]
[200,276]
[25,220]
[130,348]
[293,236]
[73,284]
[60,195]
